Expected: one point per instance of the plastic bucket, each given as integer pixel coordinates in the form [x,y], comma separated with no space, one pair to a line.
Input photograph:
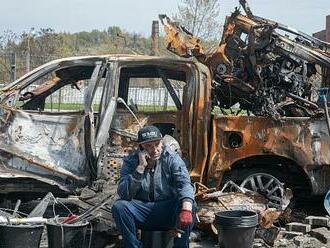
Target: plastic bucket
[157,239]
[20,236]
[236,228]
[67,235]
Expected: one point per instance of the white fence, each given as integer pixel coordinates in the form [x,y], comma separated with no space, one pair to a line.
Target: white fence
[138,96]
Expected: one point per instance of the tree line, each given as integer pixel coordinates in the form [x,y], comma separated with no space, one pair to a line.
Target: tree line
[35,47]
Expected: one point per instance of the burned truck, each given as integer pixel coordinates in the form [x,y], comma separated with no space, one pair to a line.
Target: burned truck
[279,79]
[66,125]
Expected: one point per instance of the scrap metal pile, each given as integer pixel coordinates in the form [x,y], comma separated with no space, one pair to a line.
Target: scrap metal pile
[234,197]
[266,67]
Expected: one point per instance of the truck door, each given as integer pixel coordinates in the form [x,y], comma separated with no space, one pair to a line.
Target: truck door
[46,133]
[199,121]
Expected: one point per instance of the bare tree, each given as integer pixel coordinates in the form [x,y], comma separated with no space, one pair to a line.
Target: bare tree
[8,40]
[200,17]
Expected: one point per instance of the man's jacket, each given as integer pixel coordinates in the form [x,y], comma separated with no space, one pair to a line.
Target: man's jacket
[171,179]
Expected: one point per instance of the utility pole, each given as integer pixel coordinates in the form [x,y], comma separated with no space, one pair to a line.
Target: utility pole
[13,67]
[134,40]
[155,38]
[28,51]
[28,55]
[155,52]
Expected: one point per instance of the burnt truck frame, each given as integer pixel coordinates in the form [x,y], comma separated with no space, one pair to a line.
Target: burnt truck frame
[63,152]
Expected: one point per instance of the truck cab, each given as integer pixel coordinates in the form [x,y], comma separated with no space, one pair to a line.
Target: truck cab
[70,122]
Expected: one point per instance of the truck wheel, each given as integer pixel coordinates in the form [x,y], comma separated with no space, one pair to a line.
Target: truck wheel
[266,185]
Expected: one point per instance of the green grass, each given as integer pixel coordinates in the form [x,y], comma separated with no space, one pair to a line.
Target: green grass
[141,108]
[154,108]
[77,107]
[64,106]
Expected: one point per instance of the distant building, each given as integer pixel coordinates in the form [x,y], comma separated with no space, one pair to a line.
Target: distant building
[324,34]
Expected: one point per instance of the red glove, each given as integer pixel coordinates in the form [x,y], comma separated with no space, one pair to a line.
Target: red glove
[185,218]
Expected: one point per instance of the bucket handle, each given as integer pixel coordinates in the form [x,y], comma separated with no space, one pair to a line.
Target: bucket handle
[90,236]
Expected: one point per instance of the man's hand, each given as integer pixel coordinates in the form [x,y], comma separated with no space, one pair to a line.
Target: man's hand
[142,162]
[185,217]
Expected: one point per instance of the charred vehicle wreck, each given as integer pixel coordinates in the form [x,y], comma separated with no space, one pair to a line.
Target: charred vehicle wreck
[279,76]
[66,126]
[268,68]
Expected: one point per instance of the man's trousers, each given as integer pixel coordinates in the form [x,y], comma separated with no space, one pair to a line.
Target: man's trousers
[151,216]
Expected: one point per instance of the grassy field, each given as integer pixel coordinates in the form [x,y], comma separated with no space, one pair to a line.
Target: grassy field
[141,108]
[76,107]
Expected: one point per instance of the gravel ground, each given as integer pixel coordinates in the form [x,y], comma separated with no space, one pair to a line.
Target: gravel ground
[305,241]
[280,243]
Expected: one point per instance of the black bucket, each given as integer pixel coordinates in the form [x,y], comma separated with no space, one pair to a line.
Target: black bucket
[157,239]
[20,236]
[67,235]
[236,228]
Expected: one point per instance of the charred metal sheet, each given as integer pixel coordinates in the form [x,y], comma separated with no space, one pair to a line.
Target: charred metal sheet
[41,89]
[43,146]
[179,40]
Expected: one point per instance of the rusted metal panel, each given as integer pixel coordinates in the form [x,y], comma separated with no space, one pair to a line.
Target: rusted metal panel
[304,141]
[200,125]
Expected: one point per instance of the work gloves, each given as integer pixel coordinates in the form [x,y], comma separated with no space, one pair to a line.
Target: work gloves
[185,218]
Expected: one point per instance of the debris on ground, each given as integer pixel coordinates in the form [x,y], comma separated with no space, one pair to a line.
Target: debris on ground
[300,230]
[102,191]
[211,200]
[234,197]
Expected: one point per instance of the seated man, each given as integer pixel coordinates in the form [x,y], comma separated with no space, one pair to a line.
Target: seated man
[155,191]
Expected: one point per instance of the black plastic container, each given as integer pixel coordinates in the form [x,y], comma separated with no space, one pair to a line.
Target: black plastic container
[236,228]
[67,235]
[157,239]
[20,236]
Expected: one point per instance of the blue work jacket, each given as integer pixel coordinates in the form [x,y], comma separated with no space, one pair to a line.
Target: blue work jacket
[171,179]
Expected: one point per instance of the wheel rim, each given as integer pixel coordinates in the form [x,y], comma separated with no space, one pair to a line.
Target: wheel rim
[266,185]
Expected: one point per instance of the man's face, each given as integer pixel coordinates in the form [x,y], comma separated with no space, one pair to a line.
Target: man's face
[153,148]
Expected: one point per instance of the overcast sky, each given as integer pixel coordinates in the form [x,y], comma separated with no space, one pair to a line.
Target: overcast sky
[137,15]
